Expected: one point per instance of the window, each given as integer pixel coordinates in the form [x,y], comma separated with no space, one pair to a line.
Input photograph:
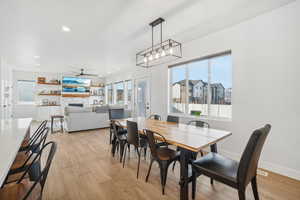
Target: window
[26,90]
[119,92]
[128,93]
[109,92]
[202,87]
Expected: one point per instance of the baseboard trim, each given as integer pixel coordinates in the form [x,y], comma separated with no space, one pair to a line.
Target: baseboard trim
[285,171]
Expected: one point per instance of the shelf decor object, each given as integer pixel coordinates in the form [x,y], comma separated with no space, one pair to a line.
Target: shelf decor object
[160,53]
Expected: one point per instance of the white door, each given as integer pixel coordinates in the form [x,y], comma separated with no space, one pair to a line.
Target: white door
[142,97]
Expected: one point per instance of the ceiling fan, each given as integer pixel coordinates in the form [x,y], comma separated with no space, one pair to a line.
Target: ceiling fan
[82,73]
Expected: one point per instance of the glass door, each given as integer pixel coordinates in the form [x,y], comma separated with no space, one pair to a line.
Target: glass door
[142,100]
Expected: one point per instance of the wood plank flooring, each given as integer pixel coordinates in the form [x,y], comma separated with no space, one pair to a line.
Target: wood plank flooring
[83,169]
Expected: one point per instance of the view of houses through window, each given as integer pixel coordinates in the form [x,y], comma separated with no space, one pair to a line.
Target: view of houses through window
[119,93]
[119,89]
[202,87]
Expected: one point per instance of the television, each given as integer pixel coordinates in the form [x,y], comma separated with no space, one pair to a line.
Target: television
[75,85]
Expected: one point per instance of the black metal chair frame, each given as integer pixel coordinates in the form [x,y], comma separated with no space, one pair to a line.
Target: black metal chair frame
[33,139]
[163,164]
[112,117]
[42,176]
[139,143]
[155,117]
[119,140]
[34,150]
[247,167]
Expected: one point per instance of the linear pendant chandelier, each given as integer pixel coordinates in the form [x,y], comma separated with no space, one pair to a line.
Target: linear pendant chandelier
[160,53]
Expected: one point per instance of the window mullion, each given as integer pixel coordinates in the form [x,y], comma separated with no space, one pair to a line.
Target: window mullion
[208,89]
[187,89]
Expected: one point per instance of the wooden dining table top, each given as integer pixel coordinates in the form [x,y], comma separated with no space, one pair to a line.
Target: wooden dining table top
[182,135]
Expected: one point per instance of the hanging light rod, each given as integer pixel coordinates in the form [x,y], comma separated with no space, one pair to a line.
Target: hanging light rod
[161,53]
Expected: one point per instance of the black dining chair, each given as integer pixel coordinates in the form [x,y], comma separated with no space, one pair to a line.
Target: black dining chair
[198,123]
[139,143]
[115,113]
[119,139]
[172,118]
[33,188]
[24,158]
[155,117]
[28,144]
[230,172]
[164,156]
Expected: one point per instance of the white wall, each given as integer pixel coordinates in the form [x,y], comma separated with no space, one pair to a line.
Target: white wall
[265,84]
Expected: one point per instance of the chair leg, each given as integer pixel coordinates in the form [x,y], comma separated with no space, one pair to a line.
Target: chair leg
[139,160]
[174,165]
[145,153]
[164,173]
[151,162]
[125,149]
[242,195]
[211,181]
[194,182]
[122,144]
[254,188]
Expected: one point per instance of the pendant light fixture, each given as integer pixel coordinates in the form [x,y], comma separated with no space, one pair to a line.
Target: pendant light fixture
[160,53]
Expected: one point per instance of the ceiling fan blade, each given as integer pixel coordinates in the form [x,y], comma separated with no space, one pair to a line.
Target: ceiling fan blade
[90,74]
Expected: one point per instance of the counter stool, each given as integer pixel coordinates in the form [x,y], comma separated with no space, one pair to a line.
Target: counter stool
[61,119]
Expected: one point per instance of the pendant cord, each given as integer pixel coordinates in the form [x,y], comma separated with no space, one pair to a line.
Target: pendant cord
[152,38]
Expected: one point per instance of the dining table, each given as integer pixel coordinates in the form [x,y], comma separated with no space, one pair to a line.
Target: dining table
[189,138]
[12,134]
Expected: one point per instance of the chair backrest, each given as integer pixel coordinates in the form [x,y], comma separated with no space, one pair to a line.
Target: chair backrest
[199,123]
[39,140]
[132,133]
[249,160]
[171,118]
[115,128]
[152,141]
[155,117]
[117,113]
[37,132]
[36,166]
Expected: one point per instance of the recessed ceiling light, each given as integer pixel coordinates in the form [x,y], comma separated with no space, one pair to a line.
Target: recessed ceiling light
[36,57]
[65,29]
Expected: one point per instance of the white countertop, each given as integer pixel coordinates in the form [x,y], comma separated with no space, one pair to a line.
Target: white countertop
[12,133]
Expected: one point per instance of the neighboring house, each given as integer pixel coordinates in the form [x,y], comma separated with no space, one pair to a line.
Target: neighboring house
[198,92]
[217,93]
[228,92]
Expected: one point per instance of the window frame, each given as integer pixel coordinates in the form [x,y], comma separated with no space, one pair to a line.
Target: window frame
[185,64]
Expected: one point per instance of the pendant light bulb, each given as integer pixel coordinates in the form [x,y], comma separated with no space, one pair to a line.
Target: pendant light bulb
[145,59]
[150,57]
[163,53]
[156,55]
[171,50]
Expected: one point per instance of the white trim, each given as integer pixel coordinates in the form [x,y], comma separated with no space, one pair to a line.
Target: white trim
[285,171]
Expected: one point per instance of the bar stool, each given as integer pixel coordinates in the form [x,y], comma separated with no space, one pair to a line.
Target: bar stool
[61,119]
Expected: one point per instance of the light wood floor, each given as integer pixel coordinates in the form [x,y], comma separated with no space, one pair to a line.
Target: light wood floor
[83,169]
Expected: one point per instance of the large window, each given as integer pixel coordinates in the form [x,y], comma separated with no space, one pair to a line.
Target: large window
[109,93]
[119,92]
[202,87]
[128,93]
[26,90]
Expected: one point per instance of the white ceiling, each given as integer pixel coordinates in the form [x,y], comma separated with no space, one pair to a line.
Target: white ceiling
[106,34]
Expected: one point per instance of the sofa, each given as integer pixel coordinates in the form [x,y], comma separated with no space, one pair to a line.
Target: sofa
[86,118]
